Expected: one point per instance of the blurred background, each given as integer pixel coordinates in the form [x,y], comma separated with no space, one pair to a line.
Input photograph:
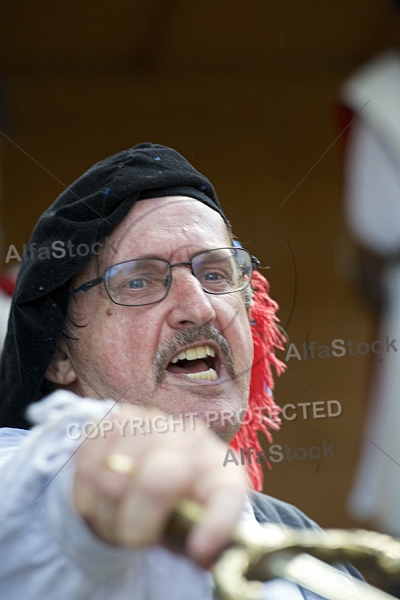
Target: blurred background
[248,92]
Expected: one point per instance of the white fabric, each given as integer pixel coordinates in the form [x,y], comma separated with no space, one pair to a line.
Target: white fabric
[5,305]
[376,491]
[372,191]
[373,214]
[48,552]
[373,158]
[373,92]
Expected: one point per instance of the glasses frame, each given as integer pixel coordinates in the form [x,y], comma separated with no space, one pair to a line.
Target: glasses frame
[88,285]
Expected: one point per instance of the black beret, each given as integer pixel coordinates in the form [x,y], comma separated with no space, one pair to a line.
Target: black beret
[85,213]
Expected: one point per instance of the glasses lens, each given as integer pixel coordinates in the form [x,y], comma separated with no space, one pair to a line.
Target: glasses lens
[138,282]
[223,271]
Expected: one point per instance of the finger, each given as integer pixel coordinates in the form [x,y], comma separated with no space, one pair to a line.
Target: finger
[111,489]
[224,504]
[97,489]
[163,478]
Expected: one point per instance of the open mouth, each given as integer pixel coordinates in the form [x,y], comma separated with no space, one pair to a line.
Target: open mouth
[196,363]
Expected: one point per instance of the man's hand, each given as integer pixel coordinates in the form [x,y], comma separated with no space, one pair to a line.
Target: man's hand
[132,510]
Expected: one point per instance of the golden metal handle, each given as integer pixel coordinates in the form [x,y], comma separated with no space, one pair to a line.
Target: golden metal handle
[252,557]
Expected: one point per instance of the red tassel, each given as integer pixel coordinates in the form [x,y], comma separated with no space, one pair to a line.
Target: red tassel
[262,412]
[7,284]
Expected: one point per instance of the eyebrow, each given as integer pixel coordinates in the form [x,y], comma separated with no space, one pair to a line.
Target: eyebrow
[158,257]
[109,266]
[144,256]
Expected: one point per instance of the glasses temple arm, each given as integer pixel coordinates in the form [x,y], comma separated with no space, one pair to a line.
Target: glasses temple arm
[255,262]
[86,286]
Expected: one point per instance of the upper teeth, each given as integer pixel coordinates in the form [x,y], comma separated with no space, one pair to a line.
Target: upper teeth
[194,353]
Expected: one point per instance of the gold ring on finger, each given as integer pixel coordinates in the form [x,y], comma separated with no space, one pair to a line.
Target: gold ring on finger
[121,463]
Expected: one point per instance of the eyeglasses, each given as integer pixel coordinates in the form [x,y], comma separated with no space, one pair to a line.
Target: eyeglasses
[145,281]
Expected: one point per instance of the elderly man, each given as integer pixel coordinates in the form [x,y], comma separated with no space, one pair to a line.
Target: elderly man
[132,300]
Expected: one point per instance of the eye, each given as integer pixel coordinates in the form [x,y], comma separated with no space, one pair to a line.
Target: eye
[144,282]
[216,279]
[136,284]
[213,276]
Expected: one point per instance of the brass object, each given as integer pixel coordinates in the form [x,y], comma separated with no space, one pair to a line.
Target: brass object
[121,463]
[296,555]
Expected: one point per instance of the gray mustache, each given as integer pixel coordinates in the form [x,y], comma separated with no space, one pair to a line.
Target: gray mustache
[190,336]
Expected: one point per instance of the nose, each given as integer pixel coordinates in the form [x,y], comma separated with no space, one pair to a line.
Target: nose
[189,304]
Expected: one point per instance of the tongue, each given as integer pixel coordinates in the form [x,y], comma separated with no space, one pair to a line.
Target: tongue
[188,366]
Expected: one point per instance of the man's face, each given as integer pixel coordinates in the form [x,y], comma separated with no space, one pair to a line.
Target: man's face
[125,352]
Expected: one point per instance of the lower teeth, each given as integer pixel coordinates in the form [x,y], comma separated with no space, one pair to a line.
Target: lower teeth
[209,375]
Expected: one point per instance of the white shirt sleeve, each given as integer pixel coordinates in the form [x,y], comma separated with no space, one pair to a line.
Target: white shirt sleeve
[49,553]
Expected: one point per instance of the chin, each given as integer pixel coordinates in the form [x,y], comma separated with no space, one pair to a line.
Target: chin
[227,433]
[225,421]
[222,408]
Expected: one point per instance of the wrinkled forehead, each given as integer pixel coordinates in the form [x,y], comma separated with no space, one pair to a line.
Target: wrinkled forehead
[160,227]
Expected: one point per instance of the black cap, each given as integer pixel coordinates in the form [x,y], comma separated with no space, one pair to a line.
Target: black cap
[85,213]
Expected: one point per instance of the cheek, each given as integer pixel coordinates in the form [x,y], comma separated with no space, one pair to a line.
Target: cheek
[102,354]
[124,341]
[115,346]
[234,325]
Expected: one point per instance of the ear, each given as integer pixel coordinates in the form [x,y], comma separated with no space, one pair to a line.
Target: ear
[60,369]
